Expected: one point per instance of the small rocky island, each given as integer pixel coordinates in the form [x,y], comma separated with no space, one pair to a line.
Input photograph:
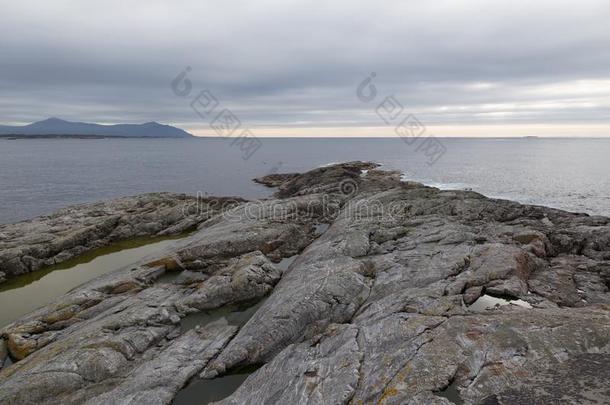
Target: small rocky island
[352,287]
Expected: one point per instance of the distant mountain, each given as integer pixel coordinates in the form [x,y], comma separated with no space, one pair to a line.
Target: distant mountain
[55,126]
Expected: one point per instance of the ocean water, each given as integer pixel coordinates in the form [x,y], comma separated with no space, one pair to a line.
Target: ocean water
[40,176]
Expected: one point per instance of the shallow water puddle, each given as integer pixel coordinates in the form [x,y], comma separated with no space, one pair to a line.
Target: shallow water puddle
[451,393]
[169,277]
[321,228]
[7,362]
[25,293]
[201,391]
[228,315]
[285,263]
[488,302]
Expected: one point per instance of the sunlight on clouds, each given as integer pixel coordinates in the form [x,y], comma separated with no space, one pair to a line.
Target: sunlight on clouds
[499,130]
[454,62]
[481,86]
[574,88]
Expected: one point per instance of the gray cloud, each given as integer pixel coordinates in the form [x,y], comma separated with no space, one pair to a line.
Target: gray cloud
[287,63]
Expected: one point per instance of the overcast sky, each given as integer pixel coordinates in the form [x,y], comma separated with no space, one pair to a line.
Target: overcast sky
[292,68]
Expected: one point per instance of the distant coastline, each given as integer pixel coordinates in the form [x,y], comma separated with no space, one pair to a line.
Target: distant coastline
[58,128]
[15,137]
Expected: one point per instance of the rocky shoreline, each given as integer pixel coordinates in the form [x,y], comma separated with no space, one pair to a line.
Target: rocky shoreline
[47,240]
[363,289]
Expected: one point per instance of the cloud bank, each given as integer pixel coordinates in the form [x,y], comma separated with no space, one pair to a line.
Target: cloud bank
[293,67]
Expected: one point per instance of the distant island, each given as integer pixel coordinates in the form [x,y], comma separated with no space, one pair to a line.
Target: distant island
[58,128]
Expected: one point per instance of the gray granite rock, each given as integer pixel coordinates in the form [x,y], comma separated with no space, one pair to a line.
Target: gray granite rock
[276,179]
[323,371]
[157,380]
[419,266]
[382,307]
[30,245]
[250,278]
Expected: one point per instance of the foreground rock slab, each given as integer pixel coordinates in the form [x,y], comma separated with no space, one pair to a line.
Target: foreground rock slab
[157,381]
[362,288]
[400,264]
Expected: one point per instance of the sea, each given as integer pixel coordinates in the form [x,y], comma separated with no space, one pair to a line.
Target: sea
[38,176]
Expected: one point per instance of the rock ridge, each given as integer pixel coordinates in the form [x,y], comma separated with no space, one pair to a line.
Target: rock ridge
[362,288]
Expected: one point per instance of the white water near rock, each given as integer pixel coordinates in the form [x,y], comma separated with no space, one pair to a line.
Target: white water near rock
[40,176]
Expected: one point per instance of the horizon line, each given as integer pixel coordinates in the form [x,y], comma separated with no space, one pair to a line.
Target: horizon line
[587,130]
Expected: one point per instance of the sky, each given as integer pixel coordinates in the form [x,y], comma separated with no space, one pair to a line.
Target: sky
[298,68]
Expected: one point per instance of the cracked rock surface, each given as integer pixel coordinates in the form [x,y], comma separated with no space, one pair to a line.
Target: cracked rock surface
[29,245]
[411,295]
